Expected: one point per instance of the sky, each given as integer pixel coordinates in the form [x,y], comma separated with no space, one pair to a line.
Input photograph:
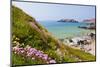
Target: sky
[44,11]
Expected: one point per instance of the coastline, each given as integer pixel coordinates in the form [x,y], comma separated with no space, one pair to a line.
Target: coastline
[89,47]
[63,31]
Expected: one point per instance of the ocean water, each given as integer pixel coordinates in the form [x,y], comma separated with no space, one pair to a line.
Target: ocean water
[65,29]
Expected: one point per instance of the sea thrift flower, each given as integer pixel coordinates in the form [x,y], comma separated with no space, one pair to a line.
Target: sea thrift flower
[22,51]
[30,52]
[16,48]
[45,56]
[52,61]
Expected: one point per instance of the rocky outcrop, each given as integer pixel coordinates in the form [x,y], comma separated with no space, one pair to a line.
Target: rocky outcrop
[68,20]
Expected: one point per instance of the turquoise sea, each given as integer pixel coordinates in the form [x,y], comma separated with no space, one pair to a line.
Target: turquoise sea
[65,29]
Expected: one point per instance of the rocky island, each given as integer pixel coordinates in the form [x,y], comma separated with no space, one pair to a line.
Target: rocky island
[68,20]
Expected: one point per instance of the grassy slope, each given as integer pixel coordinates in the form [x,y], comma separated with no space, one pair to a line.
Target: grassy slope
[39,39]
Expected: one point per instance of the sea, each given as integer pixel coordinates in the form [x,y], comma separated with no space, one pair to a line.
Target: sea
[63,30]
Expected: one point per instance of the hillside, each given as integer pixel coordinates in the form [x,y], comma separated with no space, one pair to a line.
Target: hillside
[32,43]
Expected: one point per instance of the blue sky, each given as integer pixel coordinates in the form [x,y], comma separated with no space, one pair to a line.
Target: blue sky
[43,11]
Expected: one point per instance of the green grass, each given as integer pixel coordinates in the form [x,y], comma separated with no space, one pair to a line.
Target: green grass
[81,54]
[76,53]
[22,29]
[20,60]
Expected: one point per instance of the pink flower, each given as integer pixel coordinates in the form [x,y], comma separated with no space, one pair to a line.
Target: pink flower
[22,51]
[15,48]
[30,52]
[52,61]
[45,57]
[32,49]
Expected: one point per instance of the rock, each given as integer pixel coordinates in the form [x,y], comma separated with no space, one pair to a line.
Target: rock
[68,20]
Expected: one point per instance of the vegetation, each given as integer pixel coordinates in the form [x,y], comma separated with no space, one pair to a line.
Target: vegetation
[26,31]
